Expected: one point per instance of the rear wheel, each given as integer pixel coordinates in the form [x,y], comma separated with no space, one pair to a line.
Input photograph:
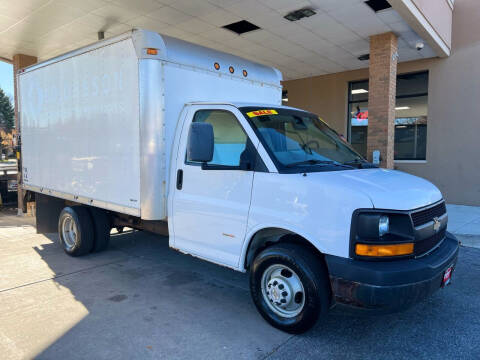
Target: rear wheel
[101,224]
[75,230]
[289,286]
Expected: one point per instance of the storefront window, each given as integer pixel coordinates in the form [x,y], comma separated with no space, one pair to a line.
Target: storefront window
[410,116]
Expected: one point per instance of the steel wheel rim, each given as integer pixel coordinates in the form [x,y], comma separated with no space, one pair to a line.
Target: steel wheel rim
[69,232]
[283,291]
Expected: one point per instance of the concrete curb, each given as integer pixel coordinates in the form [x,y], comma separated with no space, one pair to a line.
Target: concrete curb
[469,240]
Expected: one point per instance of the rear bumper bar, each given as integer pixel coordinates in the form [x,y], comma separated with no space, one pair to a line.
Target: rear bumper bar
[390,285]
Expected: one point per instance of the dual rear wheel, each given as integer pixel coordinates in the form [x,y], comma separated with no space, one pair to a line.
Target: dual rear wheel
[83,230]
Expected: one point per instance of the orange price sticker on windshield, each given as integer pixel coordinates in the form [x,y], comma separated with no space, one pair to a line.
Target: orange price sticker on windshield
[261,113]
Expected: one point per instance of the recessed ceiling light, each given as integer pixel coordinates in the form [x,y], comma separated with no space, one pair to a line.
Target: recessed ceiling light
[402,108]
[359,91]
[378,5]
[299,14]
[241,27]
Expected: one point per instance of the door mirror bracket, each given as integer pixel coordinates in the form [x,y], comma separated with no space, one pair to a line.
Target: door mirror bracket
[245,164]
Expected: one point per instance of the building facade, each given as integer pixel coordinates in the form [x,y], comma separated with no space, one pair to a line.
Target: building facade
[398,78]
[436,106]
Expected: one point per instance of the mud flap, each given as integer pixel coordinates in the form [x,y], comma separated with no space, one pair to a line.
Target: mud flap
[48,210]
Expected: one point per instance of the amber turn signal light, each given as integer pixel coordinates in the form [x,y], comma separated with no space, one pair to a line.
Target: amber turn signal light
[151,51]
[384,250]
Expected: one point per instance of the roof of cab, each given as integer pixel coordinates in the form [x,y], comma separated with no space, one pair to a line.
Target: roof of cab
[239,104]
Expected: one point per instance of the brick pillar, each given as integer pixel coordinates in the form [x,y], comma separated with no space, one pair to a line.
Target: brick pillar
[20,61]
[381,97]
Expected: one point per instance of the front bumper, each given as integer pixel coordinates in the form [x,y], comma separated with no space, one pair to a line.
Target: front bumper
[390,285]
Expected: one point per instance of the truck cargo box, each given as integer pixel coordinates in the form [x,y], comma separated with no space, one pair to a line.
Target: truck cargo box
[97,124]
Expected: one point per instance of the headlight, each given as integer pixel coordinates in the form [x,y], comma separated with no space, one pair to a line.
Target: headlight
[381,233]
[383,225]
[373,225]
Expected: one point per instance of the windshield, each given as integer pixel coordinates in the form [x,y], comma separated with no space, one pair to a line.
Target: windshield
[298,139]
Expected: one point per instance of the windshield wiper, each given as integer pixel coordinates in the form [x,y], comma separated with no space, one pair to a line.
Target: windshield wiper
[316,162]
[355,161]
[361,163]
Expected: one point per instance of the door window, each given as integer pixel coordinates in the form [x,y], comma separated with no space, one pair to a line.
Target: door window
[229,138]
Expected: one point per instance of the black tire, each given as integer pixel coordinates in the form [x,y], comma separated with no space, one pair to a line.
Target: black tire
[83,243]
[102,227]
[313,274]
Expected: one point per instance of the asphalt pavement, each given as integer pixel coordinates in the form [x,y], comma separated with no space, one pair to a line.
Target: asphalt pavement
[141,300]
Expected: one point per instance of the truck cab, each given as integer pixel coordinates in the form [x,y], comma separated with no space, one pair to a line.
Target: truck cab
[275,191]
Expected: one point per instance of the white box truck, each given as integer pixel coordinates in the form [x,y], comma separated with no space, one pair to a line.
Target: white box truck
[154,133]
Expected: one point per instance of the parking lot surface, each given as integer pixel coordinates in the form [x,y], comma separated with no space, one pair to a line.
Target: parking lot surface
[142,300]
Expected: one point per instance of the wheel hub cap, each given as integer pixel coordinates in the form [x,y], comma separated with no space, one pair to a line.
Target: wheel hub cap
[69,232]
[283,291]
[279,292]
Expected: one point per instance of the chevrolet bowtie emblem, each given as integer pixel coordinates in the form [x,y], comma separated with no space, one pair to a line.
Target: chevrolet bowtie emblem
[436,224]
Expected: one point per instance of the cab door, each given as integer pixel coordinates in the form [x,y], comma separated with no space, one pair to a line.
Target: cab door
[211,202]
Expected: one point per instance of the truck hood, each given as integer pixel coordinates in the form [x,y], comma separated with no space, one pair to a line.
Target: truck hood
[387,189]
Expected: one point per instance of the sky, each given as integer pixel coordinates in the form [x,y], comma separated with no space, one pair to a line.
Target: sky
[6,78]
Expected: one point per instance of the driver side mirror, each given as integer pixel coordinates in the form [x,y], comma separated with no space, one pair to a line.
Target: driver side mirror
[200,142]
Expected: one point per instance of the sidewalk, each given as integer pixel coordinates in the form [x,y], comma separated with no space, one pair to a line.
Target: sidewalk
[464,222]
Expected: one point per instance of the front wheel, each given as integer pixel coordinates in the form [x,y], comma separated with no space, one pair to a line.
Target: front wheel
[289,286]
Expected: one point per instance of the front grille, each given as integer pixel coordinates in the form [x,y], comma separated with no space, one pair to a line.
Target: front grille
[424,216]
[425,245]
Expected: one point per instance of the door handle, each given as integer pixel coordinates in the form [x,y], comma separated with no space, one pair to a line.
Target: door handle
[179,179]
